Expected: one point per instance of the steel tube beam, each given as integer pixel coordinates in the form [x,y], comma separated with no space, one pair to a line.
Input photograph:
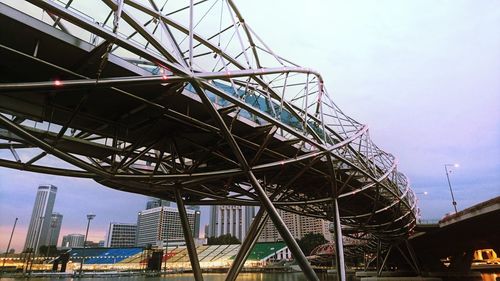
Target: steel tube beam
[18,130]
[258,224]
[339,246]
[90,83]
[408,261]
[413,256]
[379,252]
[177,51]
[283,230]
[188,236]
[379,272]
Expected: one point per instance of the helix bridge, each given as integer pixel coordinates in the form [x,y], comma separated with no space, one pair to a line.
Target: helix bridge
[182,100]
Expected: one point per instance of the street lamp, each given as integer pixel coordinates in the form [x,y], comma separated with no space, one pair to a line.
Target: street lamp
[424,193]
[8,245]
[449,184]
[89,218]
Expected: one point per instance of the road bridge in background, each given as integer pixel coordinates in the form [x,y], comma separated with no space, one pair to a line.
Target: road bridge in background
[457,236]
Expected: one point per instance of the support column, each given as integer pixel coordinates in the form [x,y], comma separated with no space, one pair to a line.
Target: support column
[379,272]
[253,234]
[413,256]
[408,261]
[339,246]
[283,230]
[379,252]
[191,248]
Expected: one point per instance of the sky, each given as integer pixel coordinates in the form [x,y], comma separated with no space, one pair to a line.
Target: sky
[423,75]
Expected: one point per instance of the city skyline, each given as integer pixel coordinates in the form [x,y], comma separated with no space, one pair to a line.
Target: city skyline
[423,76]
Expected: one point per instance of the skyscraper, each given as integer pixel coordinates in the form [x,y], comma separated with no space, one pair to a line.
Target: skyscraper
[55,229]
[197,221]
[41,217]
[234,220]
[154,226]
[121,235]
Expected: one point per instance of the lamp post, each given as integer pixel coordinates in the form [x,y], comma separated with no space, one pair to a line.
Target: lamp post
[423,193]
[8,246]
[89,218]
[449,184]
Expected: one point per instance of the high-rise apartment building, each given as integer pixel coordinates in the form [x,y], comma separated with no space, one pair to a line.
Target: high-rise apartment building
[55,229]
[73,240]
[160,224]
[234,220]
[298,226]
[41,217]
[121,235]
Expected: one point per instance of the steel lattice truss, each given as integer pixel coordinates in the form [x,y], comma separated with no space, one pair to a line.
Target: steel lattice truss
[153,96]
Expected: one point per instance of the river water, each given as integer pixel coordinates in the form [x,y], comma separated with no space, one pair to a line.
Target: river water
[297,276]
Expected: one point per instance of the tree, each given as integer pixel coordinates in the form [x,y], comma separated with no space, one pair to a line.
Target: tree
[46,250]
[225,239]
[311,241]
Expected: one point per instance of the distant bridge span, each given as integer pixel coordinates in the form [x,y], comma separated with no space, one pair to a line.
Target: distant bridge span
[458,236]
[186,103]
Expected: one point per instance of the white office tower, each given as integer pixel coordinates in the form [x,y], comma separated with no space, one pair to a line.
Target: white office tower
[121,235]
[228,219]
[55,228]
[158,225]
[41,217]
[73,240]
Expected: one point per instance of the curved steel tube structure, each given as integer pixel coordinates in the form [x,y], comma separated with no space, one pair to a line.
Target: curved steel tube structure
[157,98]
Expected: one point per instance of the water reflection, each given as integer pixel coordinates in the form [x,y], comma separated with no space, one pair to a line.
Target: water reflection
[490,276]
[298,276]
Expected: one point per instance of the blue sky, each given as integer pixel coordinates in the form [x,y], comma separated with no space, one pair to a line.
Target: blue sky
[424,76]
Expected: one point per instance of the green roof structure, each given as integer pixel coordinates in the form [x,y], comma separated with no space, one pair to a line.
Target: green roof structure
[264,250]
